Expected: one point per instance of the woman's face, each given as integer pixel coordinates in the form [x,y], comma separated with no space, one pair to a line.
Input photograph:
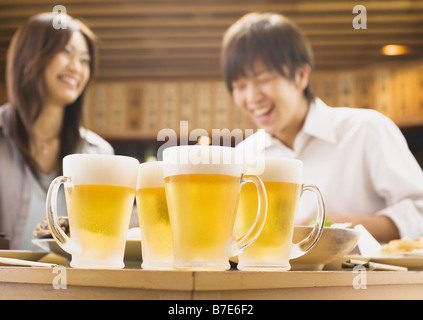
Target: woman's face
[68,72]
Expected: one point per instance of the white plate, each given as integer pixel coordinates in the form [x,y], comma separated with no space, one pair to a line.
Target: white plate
[23,254]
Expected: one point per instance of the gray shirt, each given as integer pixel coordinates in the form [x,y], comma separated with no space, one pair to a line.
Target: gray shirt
[37,209]
[17,191]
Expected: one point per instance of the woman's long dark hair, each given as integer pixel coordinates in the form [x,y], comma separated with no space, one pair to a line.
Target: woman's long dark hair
[32,48]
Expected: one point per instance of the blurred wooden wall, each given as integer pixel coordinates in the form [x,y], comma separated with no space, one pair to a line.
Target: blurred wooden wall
[159,59]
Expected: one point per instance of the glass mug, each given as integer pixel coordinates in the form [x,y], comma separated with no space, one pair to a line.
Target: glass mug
[100,194]
[273,248]
[156,236]
[202,186]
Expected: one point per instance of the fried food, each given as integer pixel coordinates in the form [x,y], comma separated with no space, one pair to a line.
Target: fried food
[402,245]
[43,230]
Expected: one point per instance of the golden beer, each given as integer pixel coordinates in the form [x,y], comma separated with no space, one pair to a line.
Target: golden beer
[202,185]
[100,194]
[154,221]
[98,219]
[156,235]
[273,245]
[273,248]
[204,207]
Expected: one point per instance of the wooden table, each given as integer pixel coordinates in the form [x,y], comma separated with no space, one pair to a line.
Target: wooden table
[40,283]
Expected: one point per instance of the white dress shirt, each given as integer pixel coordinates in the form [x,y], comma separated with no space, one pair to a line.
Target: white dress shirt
[359,160]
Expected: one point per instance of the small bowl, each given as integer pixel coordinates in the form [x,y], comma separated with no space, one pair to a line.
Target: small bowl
[334,244]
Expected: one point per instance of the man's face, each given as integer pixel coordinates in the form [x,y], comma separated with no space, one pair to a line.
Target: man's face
[268,98]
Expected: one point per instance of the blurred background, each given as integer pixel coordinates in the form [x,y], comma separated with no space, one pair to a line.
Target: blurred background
[160,64]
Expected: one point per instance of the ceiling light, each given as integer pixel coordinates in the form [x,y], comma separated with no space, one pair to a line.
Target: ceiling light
[204,140]
[394,50]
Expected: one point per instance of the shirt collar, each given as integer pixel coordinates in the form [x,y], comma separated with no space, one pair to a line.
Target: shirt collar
[319,122]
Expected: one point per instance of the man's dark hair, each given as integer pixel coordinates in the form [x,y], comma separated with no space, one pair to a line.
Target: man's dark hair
[272,38]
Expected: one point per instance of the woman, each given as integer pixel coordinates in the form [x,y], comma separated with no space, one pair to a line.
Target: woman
[358,158]
[47,74]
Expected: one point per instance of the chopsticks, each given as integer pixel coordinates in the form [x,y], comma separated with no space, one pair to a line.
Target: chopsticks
[351,263]
[20,262]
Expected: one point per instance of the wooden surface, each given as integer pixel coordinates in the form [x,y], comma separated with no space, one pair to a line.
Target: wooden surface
[38,283]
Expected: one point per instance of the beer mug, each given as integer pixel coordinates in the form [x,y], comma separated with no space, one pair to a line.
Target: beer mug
[202,186]
[273,248]
[156,236]
[100,194]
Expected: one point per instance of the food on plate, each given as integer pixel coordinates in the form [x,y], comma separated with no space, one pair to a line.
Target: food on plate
[43,231]
[402,245]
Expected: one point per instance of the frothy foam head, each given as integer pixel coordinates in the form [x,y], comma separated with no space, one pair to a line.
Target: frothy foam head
[201,160]
[150,175]
[101,169]
[281,170]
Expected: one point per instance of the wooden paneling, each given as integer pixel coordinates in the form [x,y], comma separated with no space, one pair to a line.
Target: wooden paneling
[133,110]
[161,57]
[149,40]
[396,91]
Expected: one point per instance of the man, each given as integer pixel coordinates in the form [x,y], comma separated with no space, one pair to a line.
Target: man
[358,158]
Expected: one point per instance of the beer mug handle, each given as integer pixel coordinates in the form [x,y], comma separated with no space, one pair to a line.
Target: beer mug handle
[302,247]
[58,234]
[236,247]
